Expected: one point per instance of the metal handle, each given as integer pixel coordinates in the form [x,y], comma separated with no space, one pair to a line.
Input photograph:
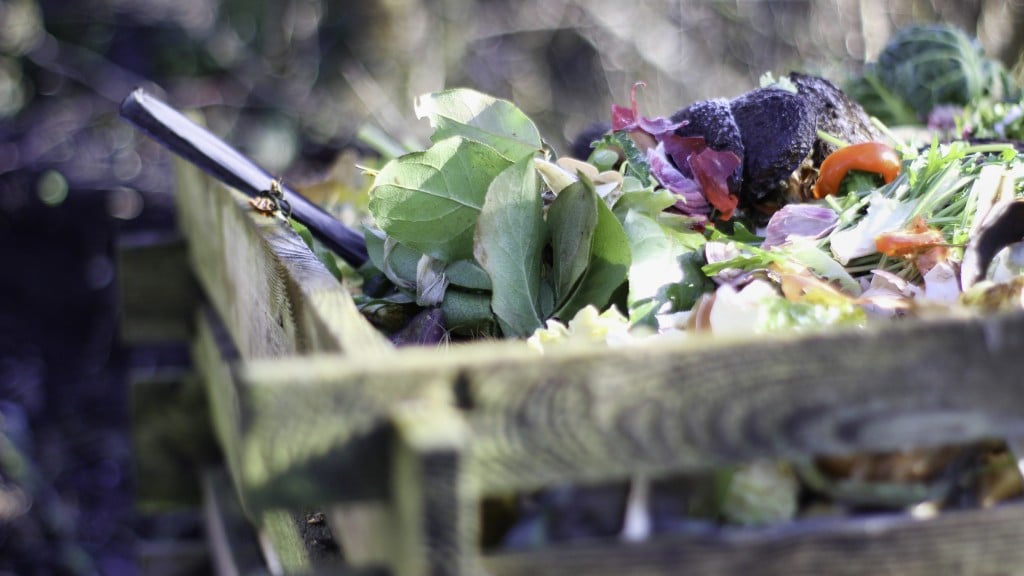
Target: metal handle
[216,157]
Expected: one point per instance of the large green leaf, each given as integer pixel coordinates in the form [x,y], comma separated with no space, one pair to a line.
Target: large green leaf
[609,263]
[492,121]
[430,200]
[510,236]
[572,219]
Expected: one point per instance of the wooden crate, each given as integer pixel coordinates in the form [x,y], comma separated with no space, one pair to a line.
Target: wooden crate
[315,411]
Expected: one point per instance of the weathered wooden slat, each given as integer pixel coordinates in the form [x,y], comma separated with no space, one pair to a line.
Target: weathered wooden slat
[599,414]
[156,289]
[214,355]
[435,511]
[288,547]
[976,542]
[233,543]
[664,407]
[274,296]
[364,531]
[172,439]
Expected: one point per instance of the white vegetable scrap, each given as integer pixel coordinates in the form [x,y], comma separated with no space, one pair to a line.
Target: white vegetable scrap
[565,171]
[736,312]
[942,283]
[887,294]
[588,326]
[884,215]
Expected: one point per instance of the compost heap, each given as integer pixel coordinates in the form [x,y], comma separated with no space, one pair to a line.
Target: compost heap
[787,208]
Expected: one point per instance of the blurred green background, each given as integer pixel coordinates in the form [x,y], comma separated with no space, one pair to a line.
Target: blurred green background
[291,82]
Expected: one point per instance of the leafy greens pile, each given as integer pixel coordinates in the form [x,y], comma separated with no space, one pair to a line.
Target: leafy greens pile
[485,226]
[494,236]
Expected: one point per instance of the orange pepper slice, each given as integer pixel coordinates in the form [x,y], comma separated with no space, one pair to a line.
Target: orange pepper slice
[873,157]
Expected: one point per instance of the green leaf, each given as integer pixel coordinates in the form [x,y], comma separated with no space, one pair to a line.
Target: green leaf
[654,257]
[749,258]
[572,219]
[468,274]
[683,294]
[609,263]
[663,267]
[396,261]
[468,313]
[510,237]
[476,116]
[429,201]
[740,233]
[324,255]
[636,161]
[646,201]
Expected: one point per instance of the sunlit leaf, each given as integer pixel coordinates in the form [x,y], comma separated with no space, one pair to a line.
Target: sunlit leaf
[477,116]
[572,218]
[429,201]
[609,263]
[510,237]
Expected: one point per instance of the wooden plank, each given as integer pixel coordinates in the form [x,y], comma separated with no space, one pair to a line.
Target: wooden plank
[172,439]
[232,540]
[976,542]
[157,291]
[292,546]
[274,296]
[601,414]
[214,356]
[364,530]
[669,407]
[436,517]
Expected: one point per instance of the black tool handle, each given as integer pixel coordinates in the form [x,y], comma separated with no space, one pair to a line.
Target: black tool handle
[216,157]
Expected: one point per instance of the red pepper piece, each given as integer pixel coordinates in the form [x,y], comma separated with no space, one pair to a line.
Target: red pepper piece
[916,238]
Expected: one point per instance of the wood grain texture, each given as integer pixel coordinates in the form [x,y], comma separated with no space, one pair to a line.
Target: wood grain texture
[275,297]
[676,407]
[977,542]
[594,414]
[156,289]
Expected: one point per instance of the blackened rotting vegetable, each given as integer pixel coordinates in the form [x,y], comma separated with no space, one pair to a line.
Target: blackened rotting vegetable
[779,130]
[837,114]
[713,120]
[775,132]
[581,146]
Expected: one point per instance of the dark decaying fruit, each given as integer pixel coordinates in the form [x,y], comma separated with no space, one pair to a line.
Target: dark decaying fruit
[713,120]
[775,131]
[779,131]
[836,113]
